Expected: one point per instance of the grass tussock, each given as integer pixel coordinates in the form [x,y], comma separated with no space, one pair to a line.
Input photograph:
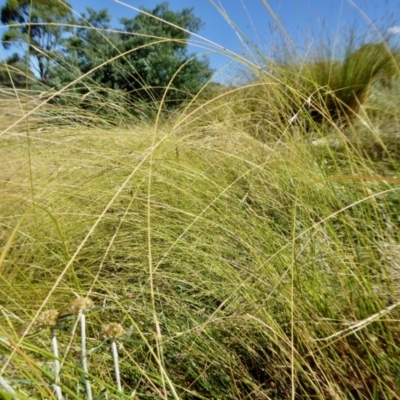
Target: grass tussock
[317,93]
[257,262]
[332,89]
[226,251]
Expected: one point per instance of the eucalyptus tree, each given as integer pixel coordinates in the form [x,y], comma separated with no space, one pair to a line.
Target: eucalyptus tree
[37,28]
[145,56]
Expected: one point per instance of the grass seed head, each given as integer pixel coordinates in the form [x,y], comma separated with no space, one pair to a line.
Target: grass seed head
[48,318]
[81,304]
[112,331]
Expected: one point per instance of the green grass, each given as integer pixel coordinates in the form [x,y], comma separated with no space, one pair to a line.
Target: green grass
[335,89]
[241,268]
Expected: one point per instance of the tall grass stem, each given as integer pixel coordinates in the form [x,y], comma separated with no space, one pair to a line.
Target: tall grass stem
[54,347]
[114,352]
[88,386]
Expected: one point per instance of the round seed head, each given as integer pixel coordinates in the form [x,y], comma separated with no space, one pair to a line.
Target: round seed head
[112,331]
[81,304]
[48,318]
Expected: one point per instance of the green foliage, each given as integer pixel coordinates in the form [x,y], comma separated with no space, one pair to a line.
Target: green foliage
[331,89]
[38,27]
[141,60]
[296,95]
[148,59]
[14,72]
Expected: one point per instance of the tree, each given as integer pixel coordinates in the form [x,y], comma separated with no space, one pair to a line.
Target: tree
[156,63]
[149,52]
[32,31]
[14,72]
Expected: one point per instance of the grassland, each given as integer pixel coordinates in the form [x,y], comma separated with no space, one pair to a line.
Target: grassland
[246,254]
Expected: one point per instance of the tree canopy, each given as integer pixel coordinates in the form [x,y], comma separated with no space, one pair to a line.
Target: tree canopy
[37,26]
[143,58]
[14,72]
[147,57]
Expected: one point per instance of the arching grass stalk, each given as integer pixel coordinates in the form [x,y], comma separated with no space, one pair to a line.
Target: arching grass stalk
[79,306]
[111,332]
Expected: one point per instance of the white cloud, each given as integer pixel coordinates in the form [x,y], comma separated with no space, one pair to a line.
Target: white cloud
[394,30]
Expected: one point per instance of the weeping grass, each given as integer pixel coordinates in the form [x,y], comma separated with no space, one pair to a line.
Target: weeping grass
[336,89]
[318,93]
[258,257]
[243,253]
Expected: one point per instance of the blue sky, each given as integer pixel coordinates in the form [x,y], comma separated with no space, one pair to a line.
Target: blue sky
[301,19]
[305,21]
